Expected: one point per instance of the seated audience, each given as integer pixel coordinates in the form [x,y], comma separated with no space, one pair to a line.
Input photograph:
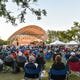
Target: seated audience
[58,70]
[31,69]
[73,57]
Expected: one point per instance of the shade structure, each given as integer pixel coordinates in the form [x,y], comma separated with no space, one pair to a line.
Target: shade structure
[57,42]
[27,35]
[72,43]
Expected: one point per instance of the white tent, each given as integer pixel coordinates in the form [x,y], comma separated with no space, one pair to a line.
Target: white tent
[57,42]
[72,43]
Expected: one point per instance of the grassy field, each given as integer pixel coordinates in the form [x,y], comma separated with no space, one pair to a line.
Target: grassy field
[20,76]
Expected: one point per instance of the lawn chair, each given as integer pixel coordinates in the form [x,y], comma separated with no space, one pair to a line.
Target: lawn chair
[32,74]
[20,60]
[8,63]
[48,56]
[74,67]
[58,74]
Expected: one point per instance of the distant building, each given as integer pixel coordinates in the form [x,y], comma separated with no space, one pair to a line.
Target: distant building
[27,35]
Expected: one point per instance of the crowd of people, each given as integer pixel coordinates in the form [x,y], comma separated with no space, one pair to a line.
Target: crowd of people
[31,58]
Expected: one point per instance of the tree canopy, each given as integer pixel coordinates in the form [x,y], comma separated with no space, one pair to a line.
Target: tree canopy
[66,36]
[23,6]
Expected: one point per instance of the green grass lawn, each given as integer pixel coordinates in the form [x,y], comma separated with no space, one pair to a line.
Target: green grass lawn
[20,76]
[11,76]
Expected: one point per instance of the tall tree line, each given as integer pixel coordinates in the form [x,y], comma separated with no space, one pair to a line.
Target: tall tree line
[66,36]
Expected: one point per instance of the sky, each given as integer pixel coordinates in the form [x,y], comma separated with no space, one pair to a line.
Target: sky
[60,16]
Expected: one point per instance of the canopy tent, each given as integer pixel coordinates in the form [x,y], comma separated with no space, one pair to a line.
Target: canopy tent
[72,43]
[57,42]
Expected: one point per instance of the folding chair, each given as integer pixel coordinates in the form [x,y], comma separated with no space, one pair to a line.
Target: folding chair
[74,67]
[8,63]
[32,74]
[48,56]
[58,74]
[20,60]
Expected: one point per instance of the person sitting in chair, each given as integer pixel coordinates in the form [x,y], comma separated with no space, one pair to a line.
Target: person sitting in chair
[31,69]
[58,69]
[73,57]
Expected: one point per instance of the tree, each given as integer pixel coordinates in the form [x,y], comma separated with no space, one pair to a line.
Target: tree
[66,36]
[2,42]
[69,35]
[62,36]
[76,31]
[52,35]
[24,6]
